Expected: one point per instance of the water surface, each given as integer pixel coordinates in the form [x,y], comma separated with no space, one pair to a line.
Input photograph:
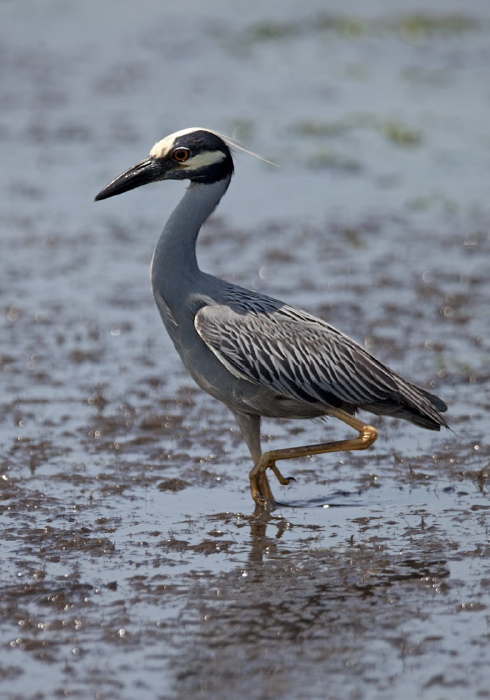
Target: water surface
[133,564]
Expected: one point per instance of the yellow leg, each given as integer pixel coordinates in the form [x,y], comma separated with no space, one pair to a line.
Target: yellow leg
[259,484]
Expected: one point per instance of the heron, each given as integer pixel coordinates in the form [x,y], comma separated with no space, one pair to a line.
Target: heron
[260,356]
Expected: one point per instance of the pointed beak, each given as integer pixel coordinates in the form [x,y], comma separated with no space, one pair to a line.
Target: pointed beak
[149,170]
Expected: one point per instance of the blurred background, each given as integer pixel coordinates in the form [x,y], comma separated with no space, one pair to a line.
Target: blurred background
[125,500]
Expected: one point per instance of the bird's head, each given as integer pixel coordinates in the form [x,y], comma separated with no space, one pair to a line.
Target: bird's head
[193,154]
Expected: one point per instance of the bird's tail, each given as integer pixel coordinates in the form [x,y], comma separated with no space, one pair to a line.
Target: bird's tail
[414,404]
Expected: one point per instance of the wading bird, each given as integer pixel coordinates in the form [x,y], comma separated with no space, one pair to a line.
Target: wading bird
[259,356]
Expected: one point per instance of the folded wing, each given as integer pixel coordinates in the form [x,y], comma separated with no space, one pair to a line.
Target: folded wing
[300,356]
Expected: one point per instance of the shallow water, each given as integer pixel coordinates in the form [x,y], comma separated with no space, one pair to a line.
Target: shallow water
[133,563]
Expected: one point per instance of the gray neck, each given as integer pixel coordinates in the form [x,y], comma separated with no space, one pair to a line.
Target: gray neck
[174,266]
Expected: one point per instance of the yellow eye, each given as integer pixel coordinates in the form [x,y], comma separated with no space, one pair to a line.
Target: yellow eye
[181,154]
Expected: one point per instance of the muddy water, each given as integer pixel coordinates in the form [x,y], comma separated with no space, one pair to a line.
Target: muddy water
[133,564]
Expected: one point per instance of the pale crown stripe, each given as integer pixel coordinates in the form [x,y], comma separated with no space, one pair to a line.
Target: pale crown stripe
[161,148]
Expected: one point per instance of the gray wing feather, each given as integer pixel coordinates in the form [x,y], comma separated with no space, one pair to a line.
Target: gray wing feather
[294,354]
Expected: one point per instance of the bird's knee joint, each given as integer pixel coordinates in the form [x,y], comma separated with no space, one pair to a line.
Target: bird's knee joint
[368,436]
[266,461]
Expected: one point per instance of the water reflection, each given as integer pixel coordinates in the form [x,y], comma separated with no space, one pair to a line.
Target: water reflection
[360,608]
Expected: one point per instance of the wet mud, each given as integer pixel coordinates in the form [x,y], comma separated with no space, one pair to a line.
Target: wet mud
[133,561]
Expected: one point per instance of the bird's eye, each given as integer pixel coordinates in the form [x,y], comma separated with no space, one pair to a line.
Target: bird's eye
[181,154]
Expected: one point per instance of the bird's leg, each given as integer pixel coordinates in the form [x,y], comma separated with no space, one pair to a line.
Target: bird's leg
[367,435]
[249,425]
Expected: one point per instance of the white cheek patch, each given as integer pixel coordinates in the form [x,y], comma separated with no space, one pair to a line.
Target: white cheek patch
[202,160]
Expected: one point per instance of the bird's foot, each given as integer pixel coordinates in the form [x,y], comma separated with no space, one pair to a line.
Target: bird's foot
[284,480]
[261,490]
[267,461]
[259,483]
